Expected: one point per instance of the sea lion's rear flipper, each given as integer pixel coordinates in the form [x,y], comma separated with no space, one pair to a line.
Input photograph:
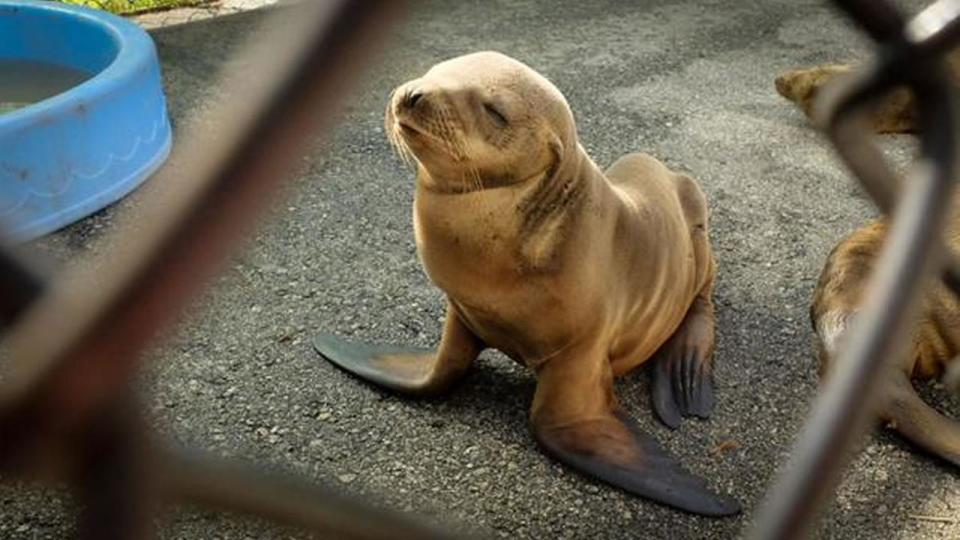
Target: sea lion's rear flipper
[683,368]
[920,423]
[574,420]
[406,370]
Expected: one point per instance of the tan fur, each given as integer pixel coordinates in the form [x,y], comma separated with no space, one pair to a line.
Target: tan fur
[579,273]
[935,342]
[896,113]
[564,253]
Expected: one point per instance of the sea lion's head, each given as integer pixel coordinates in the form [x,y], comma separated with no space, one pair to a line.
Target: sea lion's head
[481,120]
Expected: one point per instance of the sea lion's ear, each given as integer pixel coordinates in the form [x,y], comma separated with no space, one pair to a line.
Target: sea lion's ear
[557,150]
[556,147]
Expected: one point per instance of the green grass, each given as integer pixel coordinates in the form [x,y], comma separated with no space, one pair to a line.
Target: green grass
[128,7]
[9,107]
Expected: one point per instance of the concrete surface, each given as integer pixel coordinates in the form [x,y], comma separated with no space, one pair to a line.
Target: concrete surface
[217,8]
[690,81]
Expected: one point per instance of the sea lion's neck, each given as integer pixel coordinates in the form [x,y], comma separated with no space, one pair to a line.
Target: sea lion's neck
[467,183]
[550,211]
[557,193]
[528,222]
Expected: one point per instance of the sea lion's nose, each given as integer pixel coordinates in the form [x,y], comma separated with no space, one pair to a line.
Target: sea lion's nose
[412,98]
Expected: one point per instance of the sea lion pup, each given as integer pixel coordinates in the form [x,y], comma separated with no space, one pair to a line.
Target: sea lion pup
[935,341]
[578,273]
[895,113]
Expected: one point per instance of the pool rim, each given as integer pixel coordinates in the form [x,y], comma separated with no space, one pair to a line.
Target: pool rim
[134,58]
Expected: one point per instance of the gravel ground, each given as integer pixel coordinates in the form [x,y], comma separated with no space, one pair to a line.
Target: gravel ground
[688,81]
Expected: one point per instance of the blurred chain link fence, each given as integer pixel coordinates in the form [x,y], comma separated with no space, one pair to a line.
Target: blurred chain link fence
[55,423]
[57,426]
[160,13]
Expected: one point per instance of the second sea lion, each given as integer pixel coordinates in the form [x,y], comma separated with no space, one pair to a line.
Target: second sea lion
[935,342]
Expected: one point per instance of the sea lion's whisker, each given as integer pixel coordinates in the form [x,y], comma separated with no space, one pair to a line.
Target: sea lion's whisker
[400,146]
[474,177]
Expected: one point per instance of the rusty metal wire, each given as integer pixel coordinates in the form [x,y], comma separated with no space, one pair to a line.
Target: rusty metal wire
[57,421]
[909,54]
[65,407]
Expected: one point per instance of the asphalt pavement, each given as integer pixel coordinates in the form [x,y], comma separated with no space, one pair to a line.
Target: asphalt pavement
[690,82]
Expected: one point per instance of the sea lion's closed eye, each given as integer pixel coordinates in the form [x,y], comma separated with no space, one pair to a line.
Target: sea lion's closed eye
[498,117]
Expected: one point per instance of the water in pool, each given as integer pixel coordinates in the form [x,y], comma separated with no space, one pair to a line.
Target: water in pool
[26,82]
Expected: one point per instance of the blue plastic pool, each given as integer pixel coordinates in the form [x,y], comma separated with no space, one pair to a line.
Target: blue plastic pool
[71,154]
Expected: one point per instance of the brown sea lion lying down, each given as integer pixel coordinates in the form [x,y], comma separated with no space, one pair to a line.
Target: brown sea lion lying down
[579,273]
[896,113]
[935,344]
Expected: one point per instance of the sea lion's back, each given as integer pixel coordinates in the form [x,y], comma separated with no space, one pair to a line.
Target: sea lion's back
[644,176]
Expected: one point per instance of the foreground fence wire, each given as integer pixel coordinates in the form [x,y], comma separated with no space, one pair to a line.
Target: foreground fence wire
[57,422]
[909,53]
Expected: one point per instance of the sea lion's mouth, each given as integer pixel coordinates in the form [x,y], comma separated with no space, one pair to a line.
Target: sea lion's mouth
[409,129]
[411,132]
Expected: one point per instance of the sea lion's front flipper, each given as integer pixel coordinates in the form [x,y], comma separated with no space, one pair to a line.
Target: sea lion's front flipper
[683,368]
[919,422]
[620,454]
[405,370]
[573,420]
